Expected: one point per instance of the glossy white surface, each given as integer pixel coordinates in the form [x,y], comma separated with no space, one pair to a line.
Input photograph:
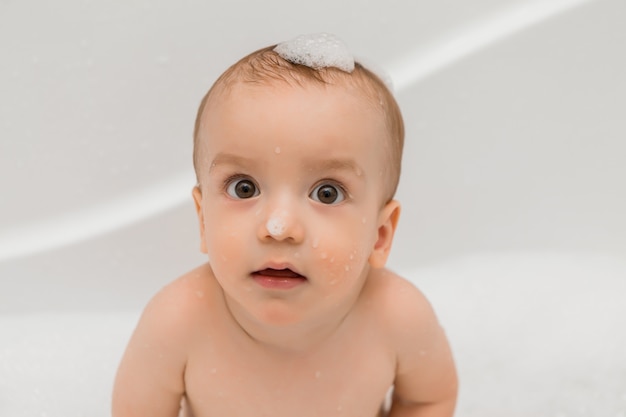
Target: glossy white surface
[515,145]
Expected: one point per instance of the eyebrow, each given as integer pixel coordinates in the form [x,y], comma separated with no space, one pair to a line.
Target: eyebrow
[336,164]
[230,159]
[332,164]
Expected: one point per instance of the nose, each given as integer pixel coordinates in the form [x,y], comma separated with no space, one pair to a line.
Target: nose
[282,224]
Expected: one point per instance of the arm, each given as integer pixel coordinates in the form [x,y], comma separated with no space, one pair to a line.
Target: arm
[150,377]
[426,382]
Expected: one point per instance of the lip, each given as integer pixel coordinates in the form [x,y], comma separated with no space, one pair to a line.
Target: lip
[278,276]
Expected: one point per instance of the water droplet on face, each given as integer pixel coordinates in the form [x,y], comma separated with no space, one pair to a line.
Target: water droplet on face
[347,268]
[277,150]
[199,294]
[351,256]
[316,243]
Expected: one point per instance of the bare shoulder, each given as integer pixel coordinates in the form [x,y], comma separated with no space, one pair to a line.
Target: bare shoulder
[180,304]
[425,370]
[398,301]
[150,377]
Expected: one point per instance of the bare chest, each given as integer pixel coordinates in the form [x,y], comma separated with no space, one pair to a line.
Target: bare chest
[349,380]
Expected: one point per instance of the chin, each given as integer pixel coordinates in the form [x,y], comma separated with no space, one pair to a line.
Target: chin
[279,313]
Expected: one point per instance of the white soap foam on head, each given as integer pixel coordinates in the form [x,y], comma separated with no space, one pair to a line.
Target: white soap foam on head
[319,50]
[322,50]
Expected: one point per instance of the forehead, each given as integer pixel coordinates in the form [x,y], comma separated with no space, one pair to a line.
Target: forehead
[266,114]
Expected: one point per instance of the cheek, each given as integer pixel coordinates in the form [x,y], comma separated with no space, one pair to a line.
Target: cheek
[224,237]
[343,254]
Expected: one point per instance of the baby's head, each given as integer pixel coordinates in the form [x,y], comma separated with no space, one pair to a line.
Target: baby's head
[297,165]
[266,67]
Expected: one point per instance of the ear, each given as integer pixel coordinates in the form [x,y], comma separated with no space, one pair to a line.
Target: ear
[197,198]
[387,223]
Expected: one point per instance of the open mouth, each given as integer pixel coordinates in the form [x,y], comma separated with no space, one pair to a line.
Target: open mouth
[278,273]
[278,278]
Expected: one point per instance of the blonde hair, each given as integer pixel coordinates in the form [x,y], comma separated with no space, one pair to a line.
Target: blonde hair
[265,67]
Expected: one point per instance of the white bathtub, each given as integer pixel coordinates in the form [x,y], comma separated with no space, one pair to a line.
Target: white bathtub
[513,187]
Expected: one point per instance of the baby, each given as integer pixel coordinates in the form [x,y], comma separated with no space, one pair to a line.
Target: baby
[297,153]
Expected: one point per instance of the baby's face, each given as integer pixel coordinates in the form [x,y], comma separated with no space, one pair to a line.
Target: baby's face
[291,195]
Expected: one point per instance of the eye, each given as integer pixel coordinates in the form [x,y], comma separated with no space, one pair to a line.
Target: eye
[241,188]
[327,194]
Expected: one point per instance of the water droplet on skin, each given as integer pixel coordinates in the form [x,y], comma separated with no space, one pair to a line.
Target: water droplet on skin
[316,243]
[351,256]
[200,294]
[332,259]
[363,220]
[277,150]
[347,268]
